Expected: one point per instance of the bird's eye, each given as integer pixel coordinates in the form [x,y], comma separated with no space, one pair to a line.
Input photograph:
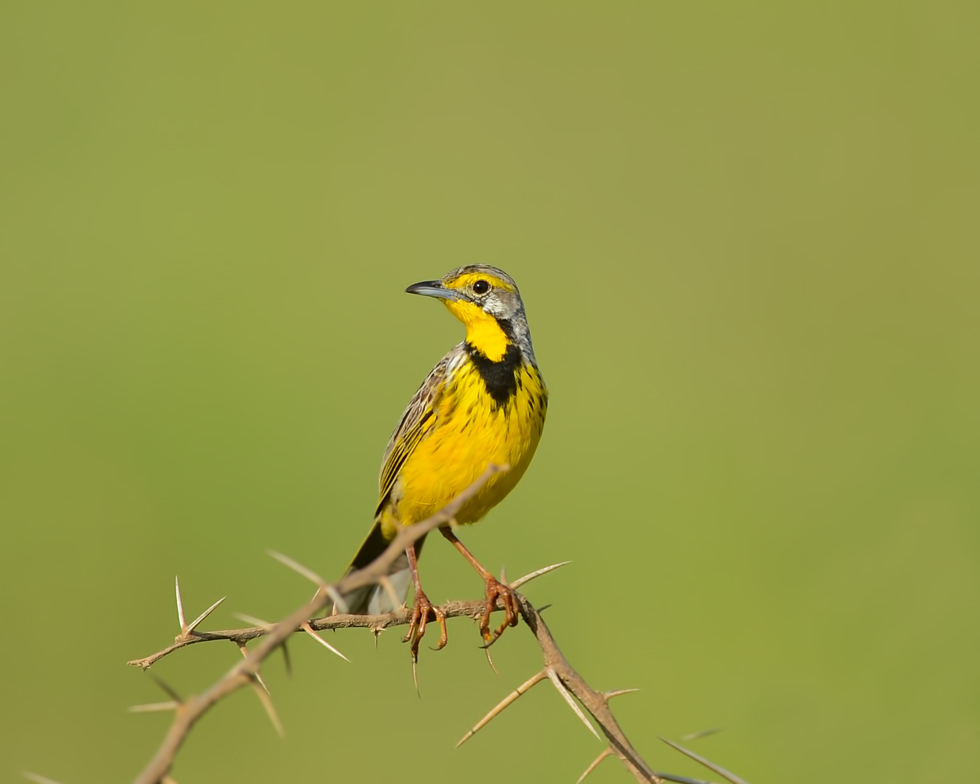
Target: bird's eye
[481,287]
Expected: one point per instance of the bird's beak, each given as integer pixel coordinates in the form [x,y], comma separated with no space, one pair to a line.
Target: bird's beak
[434,288]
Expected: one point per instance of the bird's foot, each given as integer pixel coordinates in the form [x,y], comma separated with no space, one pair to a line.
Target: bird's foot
[508,600]
[421,609]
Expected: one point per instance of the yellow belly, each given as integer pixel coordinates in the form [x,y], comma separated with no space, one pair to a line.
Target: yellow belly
[470,432]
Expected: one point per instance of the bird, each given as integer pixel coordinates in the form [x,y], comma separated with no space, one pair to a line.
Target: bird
[483,403]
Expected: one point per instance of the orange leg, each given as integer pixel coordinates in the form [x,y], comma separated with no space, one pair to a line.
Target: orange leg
[421,608]
[494,590]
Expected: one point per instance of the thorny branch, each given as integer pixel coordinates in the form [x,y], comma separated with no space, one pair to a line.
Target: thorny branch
[247,671]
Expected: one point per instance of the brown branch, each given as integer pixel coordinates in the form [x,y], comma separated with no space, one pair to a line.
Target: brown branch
[377,623]
[595,702]
[246,672]
[454,609]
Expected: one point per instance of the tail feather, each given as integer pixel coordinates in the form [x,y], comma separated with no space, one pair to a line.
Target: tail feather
[374,599]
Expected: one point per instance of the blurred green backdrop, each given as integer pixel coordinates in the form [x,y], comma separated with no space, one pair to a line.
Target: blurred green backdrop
[747,237]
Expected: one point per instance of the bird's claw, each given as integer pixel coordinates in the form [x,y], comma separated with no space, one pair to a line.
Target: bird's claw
[421,608]
[508,600]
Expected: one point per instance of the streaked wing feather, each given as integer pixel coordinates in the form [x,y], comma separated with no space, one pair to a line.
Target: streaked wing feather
[416,422]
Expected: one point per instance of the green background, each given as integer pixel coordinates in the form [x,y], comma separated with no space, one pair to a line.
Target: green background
[747,236]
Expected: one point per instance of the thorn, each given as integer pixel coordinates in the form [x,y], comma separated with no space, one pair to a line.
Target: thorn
[503,576]
[254,621]
[180,607]
[595,764]
[701,734]
[258,677]
[154,707]
[522,689]
[544,570]
[197,621]
[544,607]
[377,631]
[339,601]
[285,656]
[385,582]
[309,630]
[608,695]
[564,692]
[297,567]
[270,709]
[486,650]
[36,778]
[662,777]
[728,776]
[173,694]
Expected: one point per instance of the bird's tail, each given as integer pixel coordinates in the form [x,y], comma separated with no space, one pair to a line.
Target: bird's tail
[374,599]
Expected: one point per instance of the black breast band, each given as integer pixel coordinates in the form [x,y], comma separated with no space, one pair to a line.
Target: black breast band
[500,378]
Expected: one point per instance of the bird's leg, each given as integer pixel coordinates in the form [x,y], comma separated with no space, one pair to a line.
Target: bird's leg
[421,608]
[495,590]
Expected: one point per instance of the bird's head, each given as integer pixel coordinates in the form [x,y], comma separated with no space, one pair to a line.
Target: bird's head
[488,303]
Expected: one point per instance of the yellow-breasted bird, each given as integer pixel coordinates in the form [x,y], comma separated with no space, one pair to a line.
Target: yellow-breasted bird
[484,402]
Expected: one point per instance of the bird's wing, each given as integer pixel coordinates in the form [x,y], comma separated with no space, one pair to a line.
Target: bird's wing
[417,421]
